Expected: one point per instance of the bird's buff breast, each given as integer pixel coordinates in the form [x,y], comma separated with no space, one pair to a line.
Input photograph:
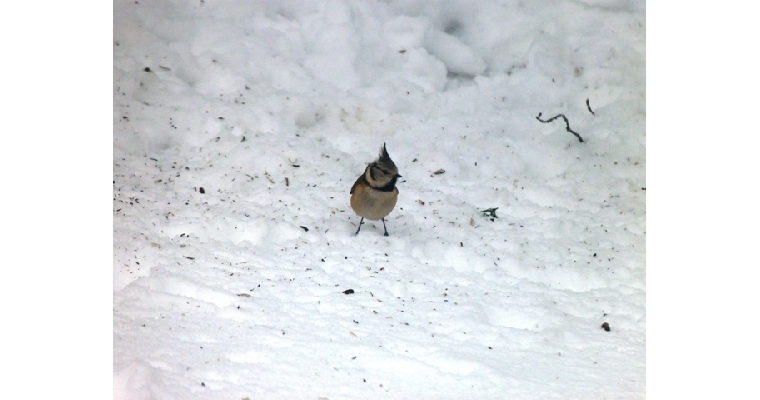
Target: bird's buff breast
[372,204]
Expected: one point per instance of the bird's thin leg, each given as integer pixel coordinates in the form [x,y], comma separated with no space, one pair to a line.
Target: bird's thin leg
[384,228]
[360,226]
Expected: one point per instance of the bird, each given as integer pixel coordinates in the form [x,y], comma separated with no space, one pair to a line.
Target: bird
[374,193]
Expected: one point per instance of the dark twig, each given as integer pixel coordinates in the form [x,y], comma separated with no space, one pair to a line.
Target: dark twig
[566,123]
[589,108]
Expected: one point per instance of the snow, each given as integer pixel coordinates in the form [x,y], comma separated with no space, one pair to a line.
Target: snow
[239,128]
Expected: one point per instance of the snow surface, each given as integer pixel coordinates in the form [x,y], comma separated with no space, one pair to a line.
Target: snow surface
[239,128]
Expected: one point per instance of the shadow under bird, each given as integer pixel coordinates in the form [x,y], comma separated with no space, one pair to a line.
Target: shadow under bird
[374,193]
